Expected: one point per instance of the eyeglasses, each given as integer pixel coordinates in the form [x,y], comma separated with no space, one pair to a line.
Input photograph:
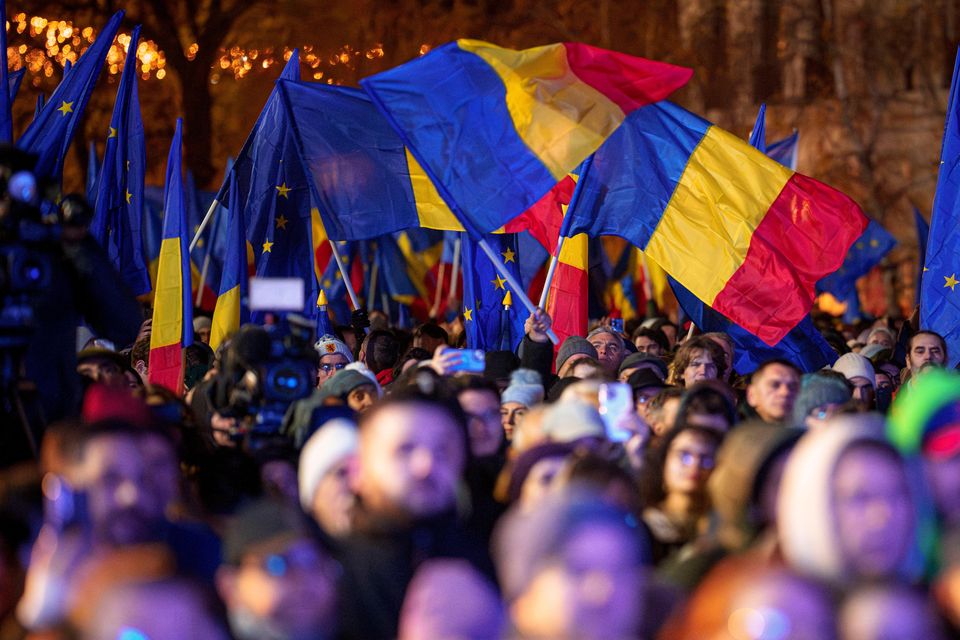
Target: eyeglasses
[689,458]
[300,555]
[327,368]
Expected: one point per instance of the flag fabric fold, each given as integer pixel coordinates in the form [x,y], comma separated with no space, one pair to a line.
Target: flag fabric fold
[51,131]
[485,319]
[172,328]
[119,201]
[939,301]
[743,233]
[496,129]
[864,254]
[231,310]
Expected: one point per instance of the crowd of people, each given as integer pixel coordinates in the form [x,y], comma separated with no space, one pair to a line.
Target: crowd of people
[410,495]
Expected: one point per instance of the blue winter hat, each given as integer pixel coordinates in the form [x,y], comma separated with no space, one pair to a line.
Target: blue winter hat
[525,388]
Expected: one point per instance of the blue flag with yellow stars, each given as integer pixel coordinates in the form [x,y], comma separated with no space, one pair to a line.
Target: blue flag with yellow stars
[119,201]
[923,232]
[864,254]
[50,133]
[484,317]
[939,299]
[331,281]
[275,197]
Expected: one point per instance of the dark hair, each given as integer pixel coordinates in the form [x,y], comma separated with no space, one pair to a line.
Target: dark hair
[475,383]
[414,353]
[431,330]
[656,335]
[141,350]
[382,350]
[943,343]
[652,490]
[772,361]
[587,468]
[711,397]
[685,355]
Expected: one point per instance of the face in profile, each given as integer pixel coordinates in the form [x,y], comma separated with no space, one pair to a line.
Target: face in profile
[410,460]
[873,509]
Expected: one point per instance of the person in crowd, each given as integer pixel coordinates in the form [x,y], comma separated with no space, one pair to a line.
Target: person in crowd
[572,351]
[412,453]
[652,342]
[380,351]
[323,476]
[729,351]
[639,361]
[534,473]
[859,373]
[525,390]
[676,503]
[610,347]
[646,385]
[101,365]
[334,356]
[573,567]
[277,580]
[428,336]
[773,390]
[821,396]
[845,510]
[352,388]
[882,337]
[710,404]
[201,329]
[699,358]
[925,347]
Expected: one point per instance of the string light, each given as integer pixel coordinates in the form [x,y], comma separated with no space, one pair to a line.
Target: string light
[52,43]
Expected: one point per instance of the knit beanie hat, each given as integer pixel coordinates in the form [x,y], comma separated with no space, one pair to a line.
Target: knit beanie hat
[925,417]
[343,382]
[525,388]
[635,360]
[817,390]
[854,365]
[567,421]
[365,370]
[572,346]
[263,521]
[331,443]
[328,345]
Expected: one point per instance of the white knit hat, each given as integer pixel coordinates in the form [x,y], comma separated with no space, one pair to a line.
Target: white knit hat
[854,365]
[329,345]
[335,440]
[570,420]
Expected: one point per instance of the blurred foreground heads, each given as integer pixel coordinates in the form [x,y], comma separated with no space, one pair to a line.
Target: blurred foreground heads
[572,567]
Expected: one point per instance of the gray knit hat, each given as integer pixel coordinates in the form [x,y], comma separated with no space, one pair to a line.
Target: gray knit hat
[817,390]
[525,388]
[345,381]
[572,346]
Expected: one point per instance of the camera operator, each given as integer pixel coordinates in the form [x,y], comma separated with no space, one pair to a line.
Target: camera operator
[53,276]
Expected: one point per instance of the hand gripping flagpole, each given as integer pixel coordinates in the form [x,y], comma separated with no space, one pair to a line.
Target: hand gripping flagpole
[564,231]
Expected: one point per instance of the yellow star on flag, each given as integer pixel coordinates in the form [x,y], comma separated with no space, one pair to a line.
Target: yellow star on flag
[129,195]
[283,190]
[112,133]
[859,245]
[267,246]
[874,243]
[467,315]
[65,108]
[951,281]
[498,283]
[508,255]
[327,283]
[281,222]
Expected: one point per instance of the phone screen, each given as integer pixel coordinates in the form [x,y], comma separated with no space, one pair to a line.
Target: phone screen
[616,401]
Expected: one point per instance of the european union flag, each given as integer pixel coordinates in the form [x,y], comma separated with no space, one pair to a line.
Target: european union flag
[92,163]
[331,281]
[865,253]
[803,345]
[119,200]
[923,232]
[49,135]
[939,304]
[275,197]
[483,292]
[758,136]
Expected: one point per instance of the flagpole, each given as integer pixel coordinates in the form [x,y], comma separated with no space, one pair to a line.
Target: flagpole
[203,278]
[203,223]
[454,272]
[564,230]
[343,274]
[515,285]
[435,311]
[551,271]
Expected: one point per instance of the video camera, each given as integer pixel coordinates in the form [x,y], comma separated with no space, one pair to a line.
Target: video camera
[268,368]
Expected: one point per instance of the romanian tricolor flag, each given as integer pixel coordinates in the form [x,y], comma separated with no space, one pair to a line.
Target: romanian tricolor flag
[743,233]
[231,310]
[172,306]
[495,129]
